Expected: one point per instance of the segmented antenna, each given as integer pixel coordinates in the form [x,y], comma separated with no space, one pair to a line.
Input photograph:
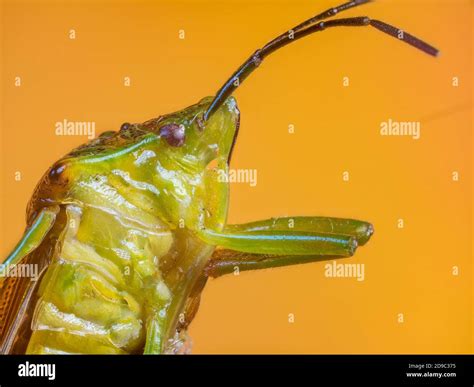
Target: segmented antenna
[314,24]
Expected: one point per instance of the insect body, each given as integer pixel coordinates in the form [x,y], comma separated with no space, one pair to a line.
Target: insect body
[126,229]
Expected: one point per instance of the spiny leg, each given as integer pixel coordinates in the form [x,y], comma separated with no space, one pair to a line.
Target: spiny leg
[308,27]
[284,241]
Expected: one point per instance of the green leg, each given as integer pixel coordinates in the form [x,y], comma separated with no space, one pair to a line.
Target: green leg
[154,333]
[33,236]
[362,231]
[283,241]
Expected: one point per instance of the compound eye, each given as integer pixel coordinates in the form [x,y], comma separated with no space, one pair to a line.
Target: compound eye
[125,126]
[173,134]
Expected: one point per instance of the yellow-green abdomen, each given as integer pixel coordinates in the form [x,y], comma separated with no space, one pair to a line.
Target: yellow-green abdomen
[102,283]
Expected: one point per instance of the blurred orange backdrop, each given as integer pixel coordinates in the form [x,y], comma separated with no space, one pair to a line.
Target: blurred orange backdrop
[408,270]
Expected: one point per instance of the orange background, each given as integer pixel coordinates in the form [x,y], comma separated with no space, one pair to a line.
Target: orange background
[407,270]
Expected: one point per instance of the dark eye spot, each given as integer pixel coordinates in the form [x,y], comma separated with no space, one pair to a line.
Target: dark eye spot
[125,126]
[56,171]
[173,134]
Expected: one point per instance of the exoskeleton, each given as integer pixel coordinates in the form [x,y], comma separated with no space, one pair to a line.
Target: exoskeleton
[126,229]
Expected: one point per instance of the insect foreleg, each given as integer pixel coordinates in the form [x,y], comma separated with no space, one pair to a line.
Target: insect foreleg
[225,261]
[282,242]
[26,254]
[33,236]
[154,331]
[362,231]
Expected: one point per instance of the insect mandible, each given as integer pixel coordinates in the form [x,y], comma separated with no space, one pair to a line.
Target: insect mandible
[126,229]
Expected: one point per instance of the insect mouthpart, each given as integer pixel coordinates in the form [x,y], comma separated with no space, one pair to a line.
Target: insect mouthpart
[173,134]
[200,123]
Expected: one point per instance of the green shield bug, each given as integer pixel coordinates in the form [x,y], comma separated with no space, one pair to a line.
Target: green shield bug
[126,229]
